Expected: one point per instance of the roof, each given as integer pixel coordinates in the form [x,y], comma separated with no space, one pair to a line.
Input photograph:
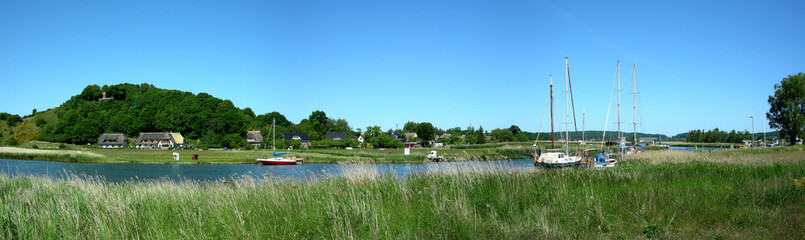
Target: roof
[112,139]
[290,136]
[336,136]
[153,136]
[177,138]
[254,136]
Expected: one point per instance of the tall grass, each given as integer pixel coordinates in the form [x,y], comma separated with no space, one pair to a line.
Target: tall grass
[679,196]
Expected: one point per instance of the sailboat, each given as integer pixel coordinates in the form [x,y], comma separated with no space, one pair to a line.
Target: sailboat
[555,157]
[277,158]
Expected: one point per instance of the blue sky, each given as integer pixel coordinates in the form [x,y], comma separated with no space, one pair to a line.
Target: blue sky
[700,64]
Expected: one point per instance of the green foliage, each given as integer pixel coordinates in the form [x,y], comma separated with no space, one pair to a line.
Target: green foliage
[11,119]
[717,136]
[787,107]
[62,146]
[12,142]
[409,126]
[425,131]
[480,137]
[40,122]
[233,140]
[144,108]
[386,141]
[319,121]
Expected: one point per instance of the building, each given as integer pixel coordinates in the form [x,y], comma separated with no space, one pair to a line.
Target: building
[410,136]
[255,138]
[178,140]
[444,136]
[396,136]
[302,137]
[159,140]
[337,136]
[113,140]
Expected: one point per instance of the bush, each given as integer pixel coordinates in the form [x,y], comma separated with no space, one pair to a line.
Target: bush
[12,142]
[35,147]
[62,146]
[40,122]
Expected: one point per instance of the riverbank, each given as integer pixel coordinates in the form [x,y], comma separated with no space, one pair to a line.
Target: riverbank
[728,195]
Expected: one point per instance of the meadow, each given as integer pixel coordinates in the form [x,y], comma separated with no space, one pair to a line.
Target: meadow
[745,194]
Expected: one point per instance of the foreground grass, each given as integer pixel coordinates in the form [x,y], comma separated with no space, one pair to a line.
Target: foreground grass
[674,195]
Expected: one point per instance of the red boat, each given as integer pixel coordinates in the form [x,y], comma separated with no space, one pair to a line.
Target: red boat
[276,161]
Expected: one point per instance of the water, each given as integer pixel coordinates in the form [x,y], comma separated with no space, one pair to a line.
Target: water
[118,172]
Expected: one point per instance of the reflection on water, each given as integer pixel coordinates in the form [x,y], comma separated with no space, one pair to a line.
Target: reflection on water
[117,172]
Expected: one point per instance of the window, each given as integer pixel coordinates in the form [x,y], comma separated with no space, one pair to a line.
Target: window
[296,138]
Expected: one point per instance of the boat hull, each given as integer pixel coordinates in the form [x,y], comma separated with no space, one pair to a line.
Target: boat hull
[276,161]
[555,165]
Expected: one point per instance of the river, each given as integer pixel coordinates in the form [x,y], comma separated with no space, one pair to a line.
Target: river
[118,172]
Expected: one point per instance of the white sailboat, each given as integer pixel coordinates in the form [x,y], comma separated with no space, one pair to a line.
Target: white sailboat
[556,157]
[277,158]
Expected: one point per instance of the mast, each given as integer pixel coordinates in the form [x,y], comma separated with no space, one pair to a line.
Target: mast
[583,116]
[273,134]
[551,94]
[567,126]
[618,75]
[634,102]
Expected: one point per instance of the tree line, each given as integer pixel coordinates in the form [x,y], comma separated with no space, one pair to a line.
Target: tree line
[717,136]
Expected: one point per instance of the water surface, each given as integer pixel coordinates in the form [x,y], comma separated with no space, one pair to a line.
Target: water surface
[117,172]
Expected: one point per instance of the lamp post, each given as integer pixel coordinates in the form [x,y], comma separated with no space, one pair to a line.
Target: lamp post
[753,130]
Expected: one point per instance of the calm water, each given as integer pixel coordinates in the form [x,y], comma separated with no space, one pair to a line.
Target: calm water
[117,172]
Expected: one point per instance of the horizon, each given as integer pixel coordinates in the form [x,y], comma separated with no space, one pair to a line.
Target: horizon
[448,63]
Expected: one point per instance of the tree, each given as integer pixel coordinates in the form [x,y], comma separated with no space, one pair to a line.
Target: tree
[425,131]
[409,126]
[318,120]
[480,137]
[91,93]
[787,107]
[515,129]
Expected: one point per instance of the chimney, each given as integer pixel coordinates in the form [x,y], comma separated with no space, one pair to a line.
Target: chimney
[104,95]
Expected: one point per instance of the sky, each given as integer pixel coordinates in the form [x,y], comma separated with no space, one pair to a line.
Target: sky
[699,64]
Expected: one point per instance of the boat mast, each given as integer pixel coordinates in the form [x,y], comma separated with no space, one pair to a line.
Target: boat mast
[551,94]
[618,74]
[273,134]
[634,102]
[583,118]
[567,124]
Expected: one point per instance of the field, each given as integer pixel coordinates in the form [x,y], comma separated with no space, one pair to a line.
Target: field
[747,194]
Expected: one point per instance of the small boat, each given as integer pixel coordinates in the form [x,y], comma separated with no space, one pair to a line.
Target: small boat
[277,158]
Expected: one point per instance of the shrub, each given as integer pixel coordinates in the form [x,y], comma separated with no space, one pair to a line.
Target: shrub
[12,142]
[62,146]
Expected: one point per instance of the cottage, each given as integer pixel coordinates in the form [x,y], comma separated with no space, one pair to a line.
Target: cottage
[159,140]
[337,136]
[396,136]
[113,140]
[254,138]
[410,136]
[444,136]
[302,137]
[178,139]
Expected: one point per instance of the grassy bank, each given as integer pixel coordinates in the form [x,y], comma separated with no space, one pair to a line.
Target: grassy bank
[737,194]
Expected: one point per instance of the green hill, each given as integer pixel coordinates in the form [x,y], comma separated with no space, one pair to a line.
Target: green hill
[131,109]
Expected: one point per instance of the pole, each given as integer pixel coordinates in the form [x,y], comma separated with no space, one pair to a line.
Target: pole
[567,126]
[634,103]
[583,118]
[753,130]
[620,134]
[551,77]
[764,132]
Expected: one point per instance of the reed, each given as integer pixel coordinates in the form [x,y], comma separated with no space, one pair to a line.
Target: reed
[657,195]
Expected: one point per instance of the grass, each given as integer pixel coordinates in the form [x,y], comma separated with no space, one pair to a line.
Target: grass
[718,195]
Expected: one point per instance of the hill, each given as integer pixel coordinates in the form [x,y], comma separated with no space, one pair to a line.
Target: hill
[131,109]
